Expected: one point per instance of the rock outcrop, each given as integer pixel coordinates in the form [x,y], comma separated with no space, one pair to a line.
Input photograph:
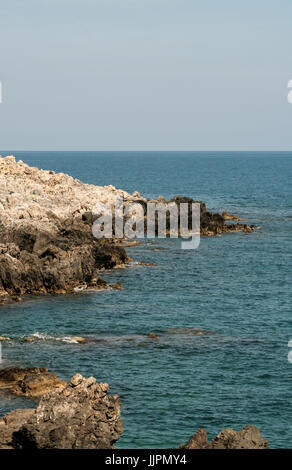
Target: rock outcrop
[248,438]
[47,244]
[31,382]
[211,223]
[78,416]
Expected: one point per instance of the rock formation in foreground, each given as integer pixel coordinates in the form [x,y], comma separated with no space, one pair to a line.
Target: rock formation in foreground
[78,416]
[30,382]
[248,438]
[46,218]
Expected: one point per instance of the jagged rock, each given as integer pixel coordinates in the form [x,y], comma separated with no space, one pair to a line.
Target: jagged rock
[80,416]
[211,223]
[29,382]
[248,438]
[31,264]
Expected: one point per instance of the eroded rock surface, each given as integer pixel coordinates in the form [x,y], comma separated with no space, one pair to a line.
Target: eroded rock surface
[248,438]
[80,416]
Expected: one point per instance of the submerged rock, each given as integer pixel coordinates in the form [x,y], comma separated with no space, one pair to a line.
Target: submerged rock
[80,416]
[248,438]
[188,331]
[30,382]
[117,286]
[78,339]
[152,336]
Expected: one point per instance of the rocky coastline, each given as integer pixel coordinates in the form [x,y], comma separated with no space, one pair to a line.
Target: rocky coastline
[47,245]
[81,415]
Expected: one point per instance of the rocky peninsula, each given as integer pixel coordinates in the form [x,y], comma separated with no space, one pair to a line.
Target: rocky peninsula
[47,245]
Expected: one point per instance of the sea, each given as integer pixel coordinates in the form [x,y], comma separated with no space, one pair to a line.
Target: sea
[236,288]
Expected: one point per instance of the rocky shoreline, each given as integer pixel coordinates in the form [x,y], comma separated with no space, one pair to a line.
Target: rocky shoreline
[47,245]
[81,415]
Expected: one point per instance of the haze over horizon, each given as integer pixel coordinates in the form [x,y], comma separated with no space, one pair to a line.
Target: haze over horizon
[145,75]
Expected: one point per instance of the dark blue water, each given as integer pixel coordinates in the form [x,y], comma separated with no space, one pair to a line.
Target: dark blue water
[237,287]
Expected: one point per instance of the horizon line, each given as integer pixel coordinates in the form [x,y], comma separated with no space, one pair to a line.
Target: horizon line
[146,150]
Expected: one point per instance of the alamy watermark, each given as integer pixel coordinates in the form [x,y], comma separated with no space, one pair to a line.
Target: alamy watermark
[290,352]
[131,220]
[290,92]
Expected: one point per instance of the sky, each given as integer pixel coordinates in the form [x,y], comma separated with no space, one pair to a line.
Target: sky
[145,74]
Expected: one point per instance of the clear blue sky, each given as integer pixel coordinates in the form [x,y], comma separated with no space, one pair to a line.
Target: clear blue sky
[145,74]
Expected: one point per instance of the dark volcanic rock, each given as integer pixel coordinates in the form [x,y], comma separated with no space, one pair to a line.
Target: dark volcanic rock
[33,262]
[248,438]
[29,382]
[211,223]
[80,416]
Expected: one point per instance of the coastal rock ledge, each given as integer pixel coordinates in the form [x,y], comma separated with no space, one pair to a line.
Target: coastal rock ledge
[31,382]
[78,416]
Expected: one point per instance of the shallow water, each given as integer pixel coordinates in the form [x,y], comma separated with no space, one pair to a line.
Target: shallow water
[234,288]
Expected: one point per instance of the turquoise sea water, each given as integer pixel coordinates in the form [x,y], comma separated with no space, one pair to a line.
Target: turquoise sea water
[238,287]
